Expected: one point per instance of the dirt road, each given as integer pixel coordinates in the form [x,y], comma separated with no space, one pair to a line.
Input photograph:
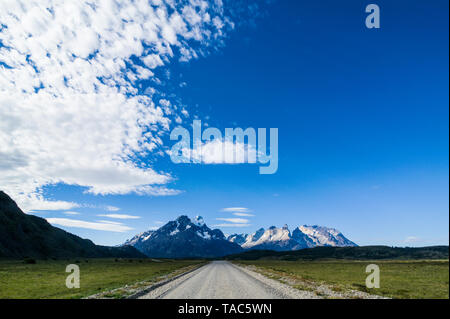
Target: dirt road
[223,280]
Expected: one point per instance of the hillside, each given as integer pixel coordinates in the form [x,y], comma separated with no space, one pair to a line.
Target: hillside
[361,253]
[23,235]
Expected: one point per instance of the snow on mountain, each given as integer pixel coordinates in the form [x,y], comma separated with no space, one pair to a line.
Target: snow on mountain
[281,236]
[176,231]
[324,236]
[139,238]
[254,237]
[302,239]
[198,221]
[238,238]
[282,239]
[204,235]
[184,238]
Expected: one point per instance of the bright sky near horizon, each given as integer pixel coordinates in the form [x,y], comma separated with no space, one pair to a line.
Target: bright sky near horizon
[90,90]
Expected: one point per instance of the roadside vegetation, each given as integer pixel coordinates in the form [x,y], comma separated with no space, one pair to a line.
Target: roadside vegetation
[47,278]
[398,278]
[348,253]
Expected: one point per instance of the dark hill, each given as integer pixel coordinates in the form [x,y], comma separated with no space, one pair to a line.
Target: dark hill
[23,235]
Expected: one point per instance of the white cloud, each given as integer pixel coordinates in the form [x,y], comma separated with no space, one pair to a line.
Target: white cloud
[99,225]
[70,108]
[231,225]
[109,222]
[34,201]
[119,216]
[219,151]
[234,220]
[71,213]
[243,214]
[236,209]
[185,112]
[112,208]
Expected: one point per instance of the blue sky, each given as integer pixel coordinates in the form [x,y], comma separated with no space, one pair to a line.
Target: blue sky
[362,116]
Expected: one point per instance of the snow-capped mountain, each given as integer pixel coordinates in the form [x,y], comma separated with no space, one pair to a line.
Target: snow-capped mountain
[282,239]
[273,239]
[183,238]
[139,240]
[238,238]
[324,236]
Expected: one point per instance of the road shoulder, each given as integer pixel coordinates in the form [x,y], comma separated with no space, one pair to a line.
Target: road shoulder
[320,290]
[284,290]
[139,289]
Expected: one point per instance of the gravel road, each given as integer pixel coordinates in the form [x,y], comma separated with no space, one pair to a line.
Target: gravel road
[223,280]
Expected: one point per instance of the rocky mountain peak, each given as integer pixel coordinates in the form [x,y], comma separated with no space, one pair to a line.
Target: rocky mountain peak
[198,220]
[282,239]
[184,237]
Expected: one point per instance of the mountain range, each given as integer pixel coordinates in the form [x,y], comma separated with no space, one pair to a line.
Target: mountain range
[282,239]
[184,238]
[23,235]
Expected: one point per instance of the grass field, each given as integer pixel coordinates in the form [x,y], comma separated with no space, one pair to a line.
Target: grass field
[46,279]
[398,279]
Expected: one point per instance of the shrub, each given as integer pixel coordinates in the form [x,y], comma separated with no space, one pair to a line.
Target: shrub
[29,261]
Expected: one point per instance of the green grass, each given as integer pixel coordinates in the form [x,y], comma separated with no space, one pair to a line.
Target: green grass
[46,279]
[398,279]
